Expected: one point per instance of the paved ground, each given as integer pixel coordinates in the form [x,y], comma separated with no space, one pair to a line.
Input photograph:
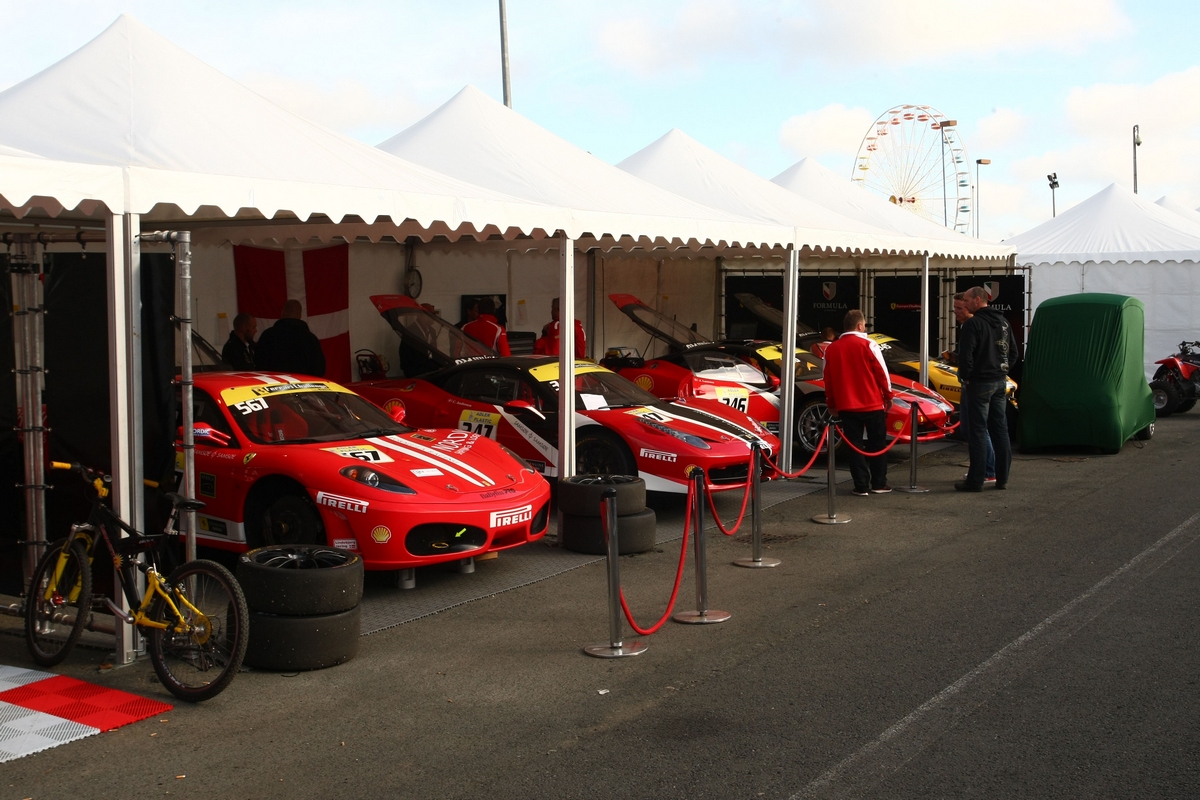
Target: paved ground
[1034,642]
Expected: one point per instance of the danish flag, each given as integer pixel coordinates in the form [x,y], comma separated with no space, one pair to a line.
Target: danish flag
[319,279]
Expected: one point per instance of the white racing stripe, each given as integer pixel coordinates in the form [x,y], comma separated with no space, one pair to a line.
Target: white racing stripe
[442,455]
[710,426]
[439,463]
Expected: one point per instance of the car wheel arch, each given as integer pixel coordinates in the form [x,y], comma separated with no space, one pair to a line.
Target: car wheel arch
[262,494]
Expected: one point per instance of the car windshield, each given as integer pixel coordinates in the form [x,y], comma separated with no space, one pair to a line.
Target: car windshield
[306,416]
[808,366]
[722,367]
[603,389]
[418,327]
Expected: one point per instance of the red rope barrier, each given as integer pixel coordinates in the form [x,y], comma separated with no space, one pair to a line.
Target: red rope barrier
[741,514]
[807,467]
[890,445]
[687,526]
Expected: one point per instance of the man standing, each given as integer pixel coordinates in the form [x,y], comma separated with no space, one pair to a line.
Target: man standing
[961,315]
[818,349]
[548,344]
[487,329]
[238,352]
[289,346]
[986,351]
[858,390]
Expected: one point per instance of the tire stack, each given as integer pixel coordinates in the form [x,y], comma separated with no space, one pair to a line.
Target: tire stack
[304,606]
[579,501]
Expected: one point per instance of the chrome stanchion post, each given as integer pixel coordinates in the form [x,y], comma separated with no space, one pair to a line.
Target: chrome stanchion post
[912,487]
[615,647]
[703,614]
[754,478]
[831,518]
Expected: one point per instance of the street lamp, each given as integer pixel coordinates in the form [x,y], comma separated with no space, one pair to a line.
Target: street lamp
[1137,142]
[1053,178]
[950,123]
[504,55]
[978,191]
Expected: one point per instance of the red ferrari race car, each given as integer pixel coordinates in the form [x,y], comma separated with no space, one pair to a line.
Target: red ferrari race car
[619,428]
[284,459]
[746,376]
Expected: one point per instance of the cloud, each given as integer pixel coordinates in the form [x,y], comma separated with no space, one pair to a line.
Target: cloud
[851,32]
[1003,128]
[832,130]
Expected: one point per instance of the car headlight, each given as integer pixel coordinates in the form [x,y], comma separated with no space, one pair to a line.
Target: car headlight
[524,464]
[686,438]
[375,479]
[898,403]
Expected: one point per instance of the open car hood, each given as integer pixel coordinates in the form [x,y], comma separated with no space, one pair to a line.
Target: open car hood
[677,335]
[445,344]
[770,315]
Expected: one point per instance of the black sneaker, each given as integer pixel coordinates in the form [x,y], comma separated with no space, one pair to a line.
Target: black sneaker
[861,492]
[963,486]
[881,490]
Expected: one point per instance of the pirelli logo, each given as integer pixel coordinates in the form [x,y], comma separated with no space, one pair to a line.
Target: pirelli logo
[342,503]
[659,455]
[513,516]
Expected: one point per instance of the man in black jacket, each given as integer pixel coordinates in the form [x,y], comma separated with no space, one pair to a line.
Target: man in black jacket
[987,350]
[289,346]
[238,352]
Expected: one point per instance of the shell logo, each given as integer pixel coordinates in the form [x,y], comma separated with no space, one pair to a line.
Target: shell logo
[689,469]
[898,425]
[381,534]
[644,381]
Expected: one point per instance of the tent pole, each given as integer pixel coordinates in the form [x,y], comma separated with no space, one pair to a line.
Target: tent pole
[787,378]
[504,55]
[924,377]
[27,362]
[566,359]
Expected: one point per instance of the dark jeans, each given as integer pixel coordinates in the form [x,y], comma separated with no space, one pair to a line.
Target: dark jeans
[983,402]
[965,419]
[866,472]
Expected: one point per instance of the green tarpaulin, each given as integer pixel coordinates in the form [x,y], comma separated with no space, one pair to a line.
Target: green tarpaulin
[1084,383]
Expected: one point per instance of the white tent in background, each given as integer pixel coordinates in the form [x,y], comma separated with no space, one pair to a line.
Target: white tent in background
[1118,242]
[1171,204]
[809,178]
[474,138]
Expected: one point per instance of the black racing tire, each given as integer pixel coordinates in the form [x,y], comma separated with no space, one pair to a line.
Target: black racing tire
[197,663]
[810,421]
[635,533]
[292,519]
[1145,434]
[286,643]
[300,580]
[601,452]
[53,625]
[1185,405]
[580,495]
[1166,397]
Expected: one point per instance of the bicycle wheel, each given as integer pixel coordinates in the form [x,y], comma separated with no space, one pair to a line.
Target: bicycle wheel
[59,602]
[200,660]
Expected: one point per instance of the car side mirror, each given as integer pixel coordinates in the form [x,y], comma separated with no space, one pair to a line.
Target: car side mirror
[519,406]
[396,412]
[774,379]
[203,432]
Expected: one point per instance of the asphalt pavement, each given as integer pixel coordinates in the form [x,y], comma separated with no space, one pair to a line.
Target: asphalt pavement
[1034,642]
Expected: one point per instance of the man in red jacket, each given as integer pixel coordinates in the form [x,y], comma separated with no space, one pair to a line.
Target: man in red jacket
[487,329]
[548,343]
[859,392]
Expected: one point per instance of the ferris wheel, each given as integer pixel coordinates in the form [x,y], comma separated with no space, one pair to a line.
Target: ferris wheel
[910,157]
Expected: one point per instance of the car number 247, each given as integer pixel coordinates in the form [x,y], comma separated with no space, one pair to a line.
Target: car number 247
[482,423]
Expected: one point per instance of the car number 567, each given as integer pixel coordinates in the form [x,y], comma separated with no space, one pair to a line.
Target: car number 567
[250,406]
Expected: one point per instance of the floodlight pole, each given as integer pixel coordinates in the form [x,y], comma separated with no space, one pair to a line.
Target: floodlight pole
[504,55]
[1137,142]
[978,194]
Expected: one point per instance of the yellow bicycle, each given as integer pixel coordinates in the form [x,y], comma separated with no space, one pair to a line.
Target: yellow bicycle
[195,621]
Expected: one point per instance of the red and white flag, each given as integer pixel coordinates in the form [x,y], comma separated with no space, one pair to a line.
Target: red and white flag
[319,279]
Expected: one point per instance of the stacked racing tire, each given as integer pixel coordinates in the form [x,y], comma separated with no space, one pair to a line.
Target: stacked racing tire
[304,606]
[579,501]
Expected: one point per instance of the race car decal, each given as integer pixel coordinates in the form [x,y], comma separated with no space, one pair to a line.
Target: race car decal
[480,422]
[345,544]
[208,484]
[211,525]
[422,437]
[360,452]
[547,373]
[342,503]
[436,459]
[513,516]
[427,472]
[528,434]
[737,397]
[714,428]
[240,394]
[648,413]
[381,534]
[659,455]
[644,381]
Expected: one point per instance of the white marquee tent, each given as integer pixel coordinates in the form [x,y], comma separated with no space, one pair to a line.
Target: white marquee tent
[1171,204]
[1118,242]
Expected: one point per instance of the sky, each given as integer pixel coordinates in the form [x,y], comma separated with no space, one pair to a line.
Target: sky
[1037,86]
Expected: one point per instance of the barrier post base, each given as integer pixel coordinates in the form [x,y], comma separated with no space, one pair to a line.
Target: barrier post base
[701,617]
[754,563]
[615,651]
[827,519]
[406,578]
[910,489]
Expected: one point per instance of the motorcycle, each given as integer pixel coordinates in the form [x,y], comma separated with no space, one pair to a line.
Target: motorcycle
[1176,384]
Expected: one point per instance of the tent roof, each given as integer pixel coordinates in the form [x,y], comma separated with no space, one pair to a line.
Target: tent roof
[1171,204]
[475,138]
[810,179]
[187,136]
[1110,226]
